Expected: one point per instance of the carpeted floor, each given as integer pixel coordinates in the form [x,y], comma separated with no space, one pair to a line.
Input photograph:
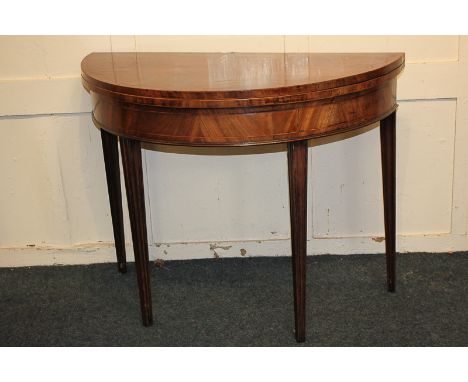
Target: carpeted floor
[240,302]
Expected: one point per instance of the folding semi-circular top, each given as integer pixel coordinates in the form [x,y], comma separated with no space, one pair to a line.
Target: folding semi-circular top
[235,99]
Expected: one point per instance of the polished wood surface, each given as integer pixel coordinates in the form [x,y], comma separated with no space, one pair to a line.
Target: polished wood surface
[212,99]
[230,79]
[237,99]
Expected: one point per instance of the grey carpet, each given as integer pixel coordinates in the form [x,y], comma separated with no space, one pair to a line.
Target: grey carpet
[240,302]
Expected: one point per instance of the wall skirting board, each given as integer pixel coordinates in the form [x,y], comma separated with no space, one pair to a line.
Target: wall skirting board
[94,253]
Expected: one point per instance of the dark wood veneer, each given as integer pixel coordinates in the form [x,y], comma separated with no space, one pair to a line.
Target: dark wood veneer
[238,99]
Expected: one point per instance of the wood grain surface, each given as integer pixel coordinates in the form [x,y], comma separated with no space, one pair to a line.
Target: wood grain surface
[235,99]
[229,79]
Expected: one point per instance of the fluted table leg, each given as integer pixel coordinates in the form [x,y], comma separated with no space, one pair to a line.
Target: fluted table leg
[388,148]
[111,162]
[131,159]
[297,170]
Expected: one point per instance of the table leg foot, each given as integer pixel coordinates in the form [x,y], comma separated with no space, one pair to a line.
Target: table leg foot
[297,171]
[111,162]
[132,166]
[388,151]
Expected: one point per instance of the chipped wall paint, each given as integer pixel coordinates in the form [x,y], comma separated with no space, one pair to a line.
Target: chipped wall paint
[208,202]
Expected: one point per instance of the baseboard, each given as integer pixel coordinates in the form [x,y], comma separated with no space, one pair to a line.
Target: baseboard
[91,253]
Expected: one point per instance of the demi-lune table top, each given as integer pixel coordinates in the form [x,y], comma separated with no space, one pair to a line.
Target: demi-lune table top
[232,79]
[259,97]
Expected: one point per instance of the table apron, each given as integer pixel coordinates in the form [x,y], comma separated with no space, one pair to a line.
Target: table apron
[244,126]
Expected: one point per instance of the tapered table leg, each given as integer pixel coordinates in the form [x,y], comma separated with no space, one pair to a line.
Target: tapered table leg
[297,170]
[111,161]
[388,148]
[132,166]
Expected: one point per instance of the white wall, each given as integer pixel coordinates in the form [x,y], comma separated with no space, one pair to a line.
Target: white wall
[53,196]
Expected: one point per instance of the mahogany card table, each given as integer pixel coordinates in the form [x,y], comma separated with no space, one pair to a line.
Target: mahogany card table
[238,99]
